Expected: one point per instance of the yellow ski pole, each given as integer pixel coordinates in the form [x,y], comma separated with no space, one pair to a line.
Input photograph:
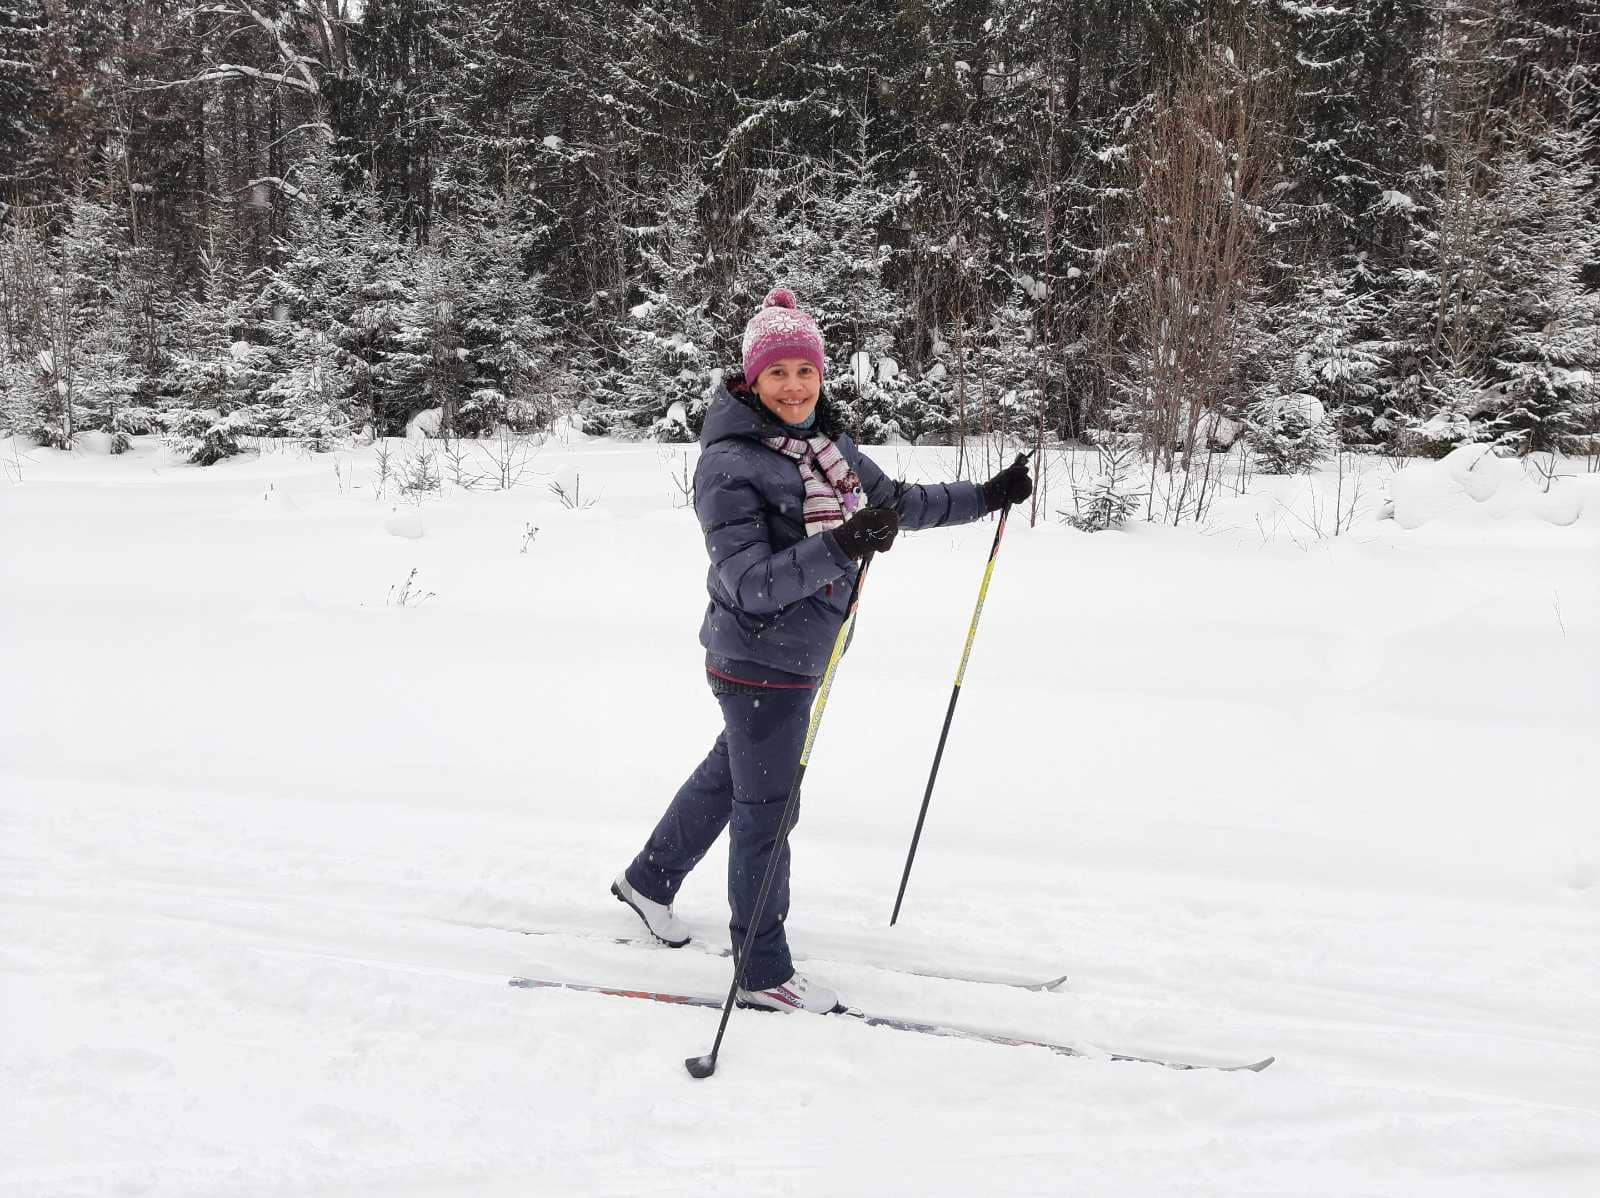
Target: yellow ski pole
[955,693]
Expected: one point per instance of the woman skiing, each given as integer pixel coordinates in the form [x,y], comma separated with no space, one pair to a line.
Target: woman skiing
[789,507]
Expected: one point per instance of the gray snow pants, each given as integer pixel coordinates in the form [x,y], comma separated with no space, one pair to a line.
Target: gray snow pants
[742,784]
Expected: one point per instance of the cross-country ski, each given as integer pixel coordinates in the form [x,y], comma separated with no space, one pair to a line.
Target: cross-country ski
[923,1027]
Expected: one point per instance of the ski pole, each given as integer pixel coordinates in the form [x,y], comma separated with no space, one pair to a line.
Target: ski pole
[706,1065]
[955,694]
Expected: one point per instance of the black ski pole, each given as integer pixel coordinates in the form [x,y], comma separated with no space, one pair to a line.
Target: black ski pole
[706,1065]
[955,693]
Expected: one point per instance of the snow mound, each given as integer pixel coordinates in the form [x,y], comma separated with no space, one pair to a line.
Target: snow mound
[425,423]
[1473,483]
[92,442]
[861,368]
[1560,506]
[1307,407]
[406,524]
[1214,430]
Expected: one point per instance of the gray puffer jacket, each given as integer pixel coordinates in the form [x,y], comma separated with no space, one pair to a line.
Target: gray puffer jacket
[777,595]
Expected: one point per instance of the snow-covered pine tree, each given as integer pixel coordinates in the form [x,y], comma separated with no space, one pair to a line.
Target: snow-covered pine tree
[208,366]
[1546,357]
[923,407]
[94,252]
[1487,322]
[473,341]
[12,371]
[409,49]
[79,51]
[78,376]
[380,270]
[1006,363]
[663,388]
[1304,369]
[1289,433]
[512,377]
[311,385]
[1338,359]
[559,111]
[855,209]
[24,94]
[514,73]
[1401,289]
[1435,292]
[1353,71]
[24,302]
[430,341]
[305,308]
[950,257]
[786,105]
[1033,57]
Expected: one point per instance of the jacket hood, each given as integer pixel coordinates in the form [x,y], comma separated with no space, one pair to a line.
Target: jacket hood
[735,413]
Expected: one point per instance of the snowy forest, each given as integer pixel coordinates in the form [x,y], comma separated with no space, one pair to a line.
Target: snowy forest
[369,611]
[1161,225]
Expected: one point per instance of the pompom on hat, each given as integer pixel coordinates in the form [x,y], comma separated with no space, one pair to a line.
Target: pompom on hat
[780,330]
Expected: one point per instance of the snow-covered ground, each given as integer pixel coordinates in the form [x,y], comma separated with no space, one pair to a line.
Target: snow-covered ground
[1254,789]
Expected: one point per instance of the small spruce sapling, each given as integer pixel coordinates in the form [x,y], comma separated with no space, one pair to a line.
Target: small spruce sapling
[1112,496]
[419,474]
[1289,434]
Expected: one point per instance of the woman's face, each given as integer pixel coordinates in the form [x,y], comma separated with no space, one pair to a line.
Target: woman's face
[788,388]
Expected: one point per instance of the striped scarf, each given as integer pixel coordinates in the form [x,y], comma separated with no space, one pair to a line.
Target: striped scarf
[830,498]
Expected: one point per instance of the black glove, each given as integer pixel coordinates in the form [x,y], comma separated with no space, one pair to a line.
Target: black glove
[1011,485]
[871,530]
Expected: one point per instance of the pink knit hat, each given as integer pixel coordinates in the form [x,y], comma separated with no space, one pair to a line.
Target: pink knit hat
[780,330]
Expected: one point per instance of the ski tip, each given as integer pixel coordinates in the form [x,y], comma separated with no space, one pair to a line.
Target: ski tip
[1052,984]
[1260,1065]
[701,1066]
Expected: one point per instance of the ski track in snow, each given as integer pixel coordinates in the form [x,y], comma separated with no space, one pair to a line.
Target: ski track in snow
[1328,800]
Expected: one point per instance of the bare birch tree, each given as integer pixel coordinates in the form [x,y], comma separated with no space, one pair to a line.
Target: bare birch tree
[1200,174]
